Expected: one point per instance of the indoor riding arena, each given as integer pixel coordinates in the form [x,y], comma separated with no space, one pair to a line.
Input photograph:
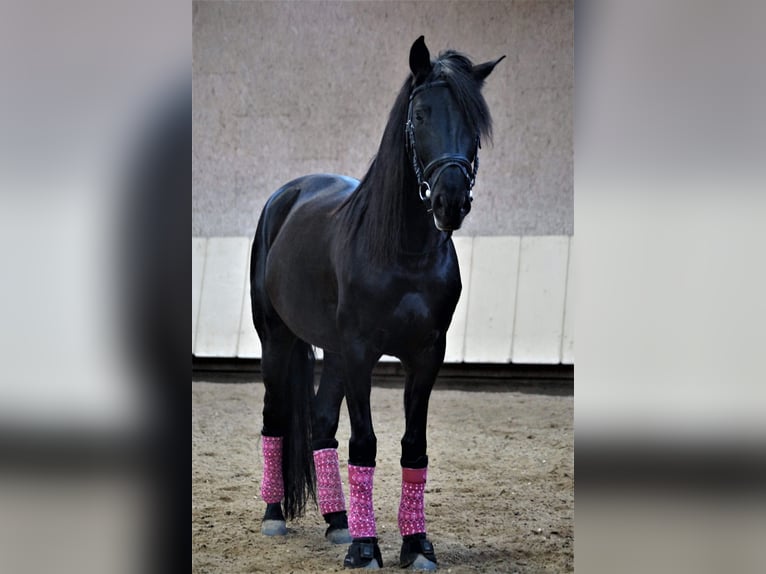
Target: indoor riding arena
[500,492]
[284,89]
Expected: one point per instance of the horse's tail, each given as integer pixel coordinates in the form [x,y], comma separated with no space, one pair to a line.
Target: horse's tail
[297,456]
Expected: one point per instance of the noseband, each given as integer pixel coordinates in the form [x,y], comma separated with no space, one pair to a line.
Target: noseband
[429,175]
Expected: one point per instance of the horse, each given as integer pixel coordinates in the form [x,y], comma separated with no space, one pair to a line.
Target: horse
[361,269]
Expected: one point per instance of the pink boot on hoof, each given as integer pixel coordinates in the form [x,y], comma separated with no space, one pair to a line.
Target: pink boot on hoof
[417,551]
[272,486]
[332,503]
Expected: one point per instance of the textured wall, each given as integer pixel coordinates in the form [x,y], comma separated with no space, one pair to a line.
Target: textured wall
[282,89]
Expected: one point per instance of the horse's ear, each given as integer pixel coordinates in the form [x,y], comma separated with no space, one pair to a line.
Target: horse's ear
[481,71]
[420,59]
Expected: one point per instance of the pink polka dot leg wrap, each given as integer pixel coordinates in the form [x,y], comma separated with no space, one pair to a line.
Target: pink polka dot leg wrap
[272,486]
[412,517]
[329,486]
[361,515]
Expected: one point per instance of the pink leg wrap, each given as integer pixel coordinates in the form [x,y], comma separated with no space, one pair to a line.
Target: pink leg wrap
[412,517]
[329,486]
[361,515]
[272,486]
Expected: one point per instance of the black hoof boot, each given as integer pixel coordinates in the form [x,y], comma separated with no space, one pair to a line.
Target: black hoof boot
[273,523]
[417,553]
[337,531]
[364,553]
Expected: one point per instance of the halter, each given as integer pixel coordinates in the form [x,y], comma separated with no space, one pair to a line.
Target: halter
[429,175]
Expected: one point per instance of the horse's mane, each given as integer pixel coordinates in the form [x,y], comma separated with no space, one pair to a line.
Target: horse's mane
[373,215]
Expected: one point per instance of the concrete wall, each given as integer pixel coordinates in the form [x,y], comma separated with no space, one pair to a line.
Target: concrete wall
[282,89]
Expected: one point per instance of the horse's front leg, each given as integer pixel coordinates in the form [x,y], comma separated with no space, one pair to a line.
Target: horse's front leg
[421,370]
[364,551]
[325,413]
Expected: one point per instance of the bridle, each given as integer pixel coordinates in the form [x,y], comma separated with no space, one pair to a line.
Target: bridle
[428,175]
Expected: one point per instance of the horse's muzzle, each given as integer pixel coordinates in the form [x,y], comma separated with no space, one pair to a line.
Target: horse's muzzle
[450,204]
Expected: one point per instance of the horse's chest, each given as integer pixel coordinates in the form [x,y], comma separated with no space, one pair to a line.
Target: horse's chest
[416,309]
[400,310]
[416,320]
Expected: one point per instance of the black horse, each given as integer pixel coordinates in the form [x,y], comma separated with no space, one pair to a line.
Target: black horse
[363,269]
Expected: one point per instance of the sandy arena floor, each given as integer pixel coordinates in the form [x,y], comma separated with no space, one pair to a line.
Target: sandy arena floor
[500,496]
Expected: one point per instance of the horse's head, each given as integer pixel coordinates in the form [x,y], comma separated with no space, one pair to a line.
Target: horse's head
[446,117]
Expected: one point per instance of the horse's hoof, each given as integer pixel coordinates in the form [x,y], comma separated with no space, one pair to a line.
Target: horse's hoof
[417,553]
[364,553]
[338,535]
[273,528]
[422,563]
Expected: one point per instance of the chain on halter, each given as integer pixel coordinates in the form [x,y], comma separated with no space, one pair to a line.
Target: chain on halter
[428,175]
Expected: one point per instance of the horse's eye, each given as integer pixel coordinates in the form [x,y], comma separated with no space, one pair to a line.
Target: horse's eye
[418,116]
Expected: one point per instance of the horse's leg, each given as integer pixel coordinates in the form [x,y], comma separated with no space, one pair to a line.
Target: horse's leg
[329,396]
[417,551]
[288,372]
[274,366]
[362,450]
[288,472]
[275,344]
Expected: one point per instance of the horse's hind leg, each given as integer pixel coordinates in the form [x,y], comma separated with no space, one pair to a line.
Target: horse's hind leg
[287,365]
[274,366]
[288,375]
[327,403]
